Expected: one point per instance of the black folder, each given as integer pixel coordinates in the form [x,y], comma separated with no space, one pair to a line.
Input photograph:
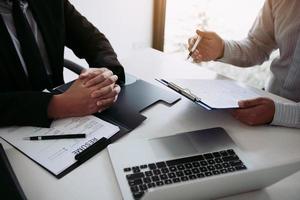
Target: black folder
[135,96]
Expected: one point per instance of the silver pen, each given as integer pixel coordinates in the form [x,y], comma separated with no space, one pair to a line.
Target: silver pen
[194,46]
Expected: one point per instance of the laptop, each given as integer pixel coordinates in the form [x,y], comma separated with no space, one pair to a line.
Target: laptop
[202,164]
[9,184]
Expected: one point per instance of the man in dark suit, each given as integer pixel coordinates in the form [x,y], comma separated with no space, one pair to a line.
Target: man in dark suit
[33,34]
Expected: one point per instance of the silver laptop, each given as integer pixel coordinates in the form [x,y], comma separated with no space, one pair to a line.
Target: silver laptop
[193,165]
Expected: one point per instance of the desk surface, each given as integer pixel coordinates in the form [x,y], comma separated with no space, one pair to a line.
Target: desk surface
[95,179]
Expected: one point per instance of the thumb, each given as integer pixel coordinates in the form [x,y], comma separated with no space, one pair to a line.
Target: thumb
[249,103]
[84,74]
[200,33]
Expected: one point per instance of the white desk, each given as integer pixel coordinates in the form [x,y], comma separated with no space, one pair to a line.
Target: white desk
[95,178]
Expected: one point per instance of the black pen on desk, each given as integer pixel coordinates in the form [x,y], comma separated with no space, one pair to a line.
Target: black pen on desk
[55,137]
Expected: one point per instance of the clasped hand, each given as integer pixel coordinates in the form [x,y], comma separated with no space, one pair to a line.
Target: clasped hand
[94,91]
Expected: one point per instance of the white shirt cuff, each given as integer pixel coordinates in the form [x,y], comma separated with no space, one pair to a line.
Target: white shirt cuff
[287,115]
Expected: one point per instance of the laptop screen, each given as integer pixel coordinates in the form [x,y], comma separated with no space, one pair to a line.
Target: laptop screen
[9,184]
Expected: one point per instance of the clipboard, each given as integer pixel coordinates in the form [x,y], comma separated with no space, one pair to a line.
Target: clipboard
[214,94]
[185,92]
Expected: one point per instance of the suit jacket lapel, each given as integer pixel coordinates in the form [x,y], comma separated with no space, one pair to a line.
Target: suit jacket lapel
[12,60]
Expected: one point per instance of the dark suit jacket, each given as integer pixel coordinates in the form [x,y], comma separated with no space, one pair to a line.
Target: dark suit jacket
[61,25]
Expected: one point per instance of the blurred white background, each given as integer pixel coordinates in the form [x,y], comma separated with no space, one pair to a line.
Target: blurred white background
[127,25]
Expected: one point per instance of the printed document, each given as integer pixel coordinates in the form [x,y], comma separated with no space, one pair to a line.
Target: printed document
[217,94]
[58,155]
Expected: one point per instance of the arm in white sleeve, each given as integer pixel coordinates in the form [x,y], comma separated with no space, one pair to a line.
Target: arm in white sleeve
[259,44]
[287,115]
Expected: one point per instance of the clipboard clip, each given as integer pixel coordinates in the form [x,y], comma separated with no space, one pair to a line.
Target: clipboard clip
[183,91]
[92,150]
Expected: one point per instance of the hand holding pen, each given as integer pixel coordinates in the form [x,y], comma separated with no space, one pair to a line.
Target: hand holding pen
[194,47]
[209,47]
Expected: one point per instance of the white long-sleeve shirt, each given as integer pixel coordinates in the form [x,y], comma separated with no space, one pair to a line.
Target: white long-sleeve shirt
[276,27]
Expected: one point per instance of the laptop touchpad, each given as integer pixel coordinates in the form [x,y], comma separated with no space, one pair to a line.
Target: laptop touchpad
[196,142]
[172,146]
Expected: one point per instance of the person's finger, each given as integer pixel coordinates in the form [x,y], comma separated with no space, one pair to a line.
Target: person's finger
[198,58]
[241,115]
[192,42]
[250,102]
[197,61]
[116,90]
[99,78]
[84,73]
[200,33]
[206,34]
[91,71]
[104,103]
[201,53]
[102,91]
[104,108]
[88,77]
[116,98]
[109,81]
[195,54]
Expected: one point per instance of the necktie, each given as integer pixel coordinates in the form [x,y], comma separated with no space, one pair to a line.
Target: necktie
[37,74]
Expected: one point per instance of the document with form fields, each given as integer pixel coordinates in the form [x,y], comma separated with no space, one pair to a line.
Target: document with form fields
[211,94]
[58,155]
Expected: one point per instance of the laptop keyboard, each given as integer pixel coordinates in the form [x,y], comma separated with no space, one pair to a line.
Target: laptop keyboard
[141,178]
